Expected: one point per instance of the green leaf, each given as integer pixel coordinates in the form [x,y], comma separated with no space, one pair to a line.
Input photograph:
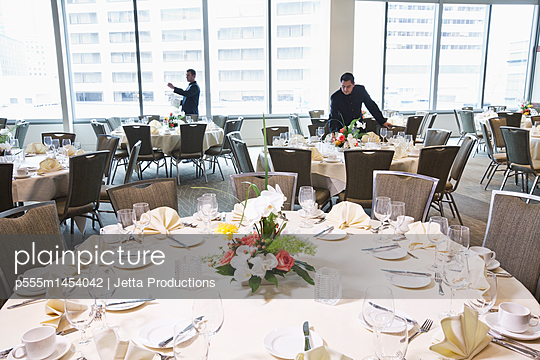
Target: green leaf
[270,277]
[303,274]
[265,155]
[226,270]
[305,265]
[254,283]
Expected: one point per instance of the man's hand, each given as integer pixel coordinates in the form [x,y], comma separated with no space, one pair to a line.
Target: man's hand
[170,85]
[388,125]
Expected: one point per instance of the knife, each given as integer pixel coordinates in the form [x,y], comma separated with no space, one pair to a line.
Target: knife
[523,347]
[328,229]
[128,302]
[25,302]
[406,272]
[381,247]
[179,242]
[402,318]
[5,353]
[515,348]
[307,344]
[166,341]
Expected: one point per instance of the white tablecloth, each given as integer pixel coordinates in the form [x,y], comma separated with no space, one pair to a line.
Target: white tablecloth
[247,321]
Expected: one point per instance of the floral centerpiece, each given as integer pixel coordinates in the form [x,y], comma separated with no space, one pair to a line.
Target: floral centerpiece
[526,108]
[173,120]
[348,136]
[5,139]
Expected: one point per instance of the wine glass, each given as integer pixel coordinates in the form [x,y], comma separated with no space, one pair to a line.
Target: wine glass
[484,299]
[398,216]
[455,274]
[190,345]
[437,234]
[206,208]
[382,211]
[14,143]
[47,141]
[389,136]
[392,345]
[378,310]
[124,219]
[459,239]
[320,132]
[102,294]
[306,198]
[141,216]
[401,134]
[66,143]
[383,132]
[207,312]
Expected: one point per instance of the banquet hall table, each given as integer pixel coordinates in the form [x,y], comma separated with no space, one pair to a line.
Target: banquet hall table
[249,318]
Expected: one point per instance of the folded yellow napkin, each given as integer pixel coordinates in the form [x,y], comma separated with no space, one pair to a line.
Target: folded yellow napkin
[71,151]
[316,154]
[322,353]
[155,123]
[54,309]
[110,347]
[348,215]
[36,148]
[49,165]
[418,236]
[371,136]
[154,130]
[163,220]
[477,273]
[400,150]
[463,336]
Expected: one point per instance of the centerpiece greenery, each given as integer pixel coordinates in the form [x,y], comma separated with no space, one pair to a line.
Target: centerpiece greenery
[356,129]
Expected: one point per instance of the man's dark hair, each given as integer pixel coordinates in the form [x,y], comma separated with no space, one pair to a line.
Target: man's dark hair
[347,77]
[192,72]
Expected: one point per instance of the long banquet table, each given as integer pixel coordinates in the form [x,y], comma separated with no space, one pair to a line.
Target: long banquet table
[250,318]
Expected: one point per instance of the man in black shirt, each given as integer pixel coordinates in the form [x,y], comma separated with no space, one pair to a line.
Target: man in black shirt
[190,103]
[346,104]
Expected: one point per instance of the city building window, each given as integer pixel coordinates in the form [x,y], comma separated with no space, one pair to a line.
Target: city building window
[13,101]
[296,8]
[28,100]
[130,57]
[87,77]
[293,53]
[80,1]
[131,77]
[293,74]
[181,55]
[123,96]
[86,58]
[84,38]
[127,16]
[251,32]
[180,14]
[89,96]
[284,31]
[128,37]
[181,35]
[83,18]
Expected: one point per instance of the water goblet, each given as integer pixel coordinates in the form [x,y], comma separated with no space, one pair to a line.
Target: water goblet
[55,146]
[206,208]
[392,344]
[398,216]
[459,239]
[190,345]
[141,216]
[455,274]
[378,310]
[409,139]
[389,137]
[484,299]
[306,198]
[383,132]
[102,294]
[14,143]
[401,134]
[47,141]
[80,312]
[437,232]
[320,132]
[124,219]
[207,312]
[382,211]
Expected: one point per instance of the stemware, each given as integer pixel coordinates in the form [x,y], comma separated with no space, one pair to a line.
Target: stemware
[455,274]
[378,310]
[14,143]
[392,345]
[207,312]
[383,132]
[47,140]
[484,299]
[401,134]
[190,346]
[141,216]
[125,221]
[55,146]
[102,294]
[207,208]
[437,234]
[80,311]
[306,198]
[458,237]
[320,132]
[398,215]
[382,211]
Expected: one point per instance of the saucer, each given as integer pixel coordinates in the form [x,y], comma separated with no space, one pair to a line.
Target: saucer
[532,333]
[335,234]
[332,161]
[63,344]
[493,264]
[392,254]
[407,281]
[22,176]
[314,213]
[287,342]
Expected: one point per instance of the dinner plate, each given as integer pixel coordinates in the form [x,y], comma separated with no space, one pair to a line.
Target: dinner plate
[532,333]
[310,144]
[332,161]
[414,155]
[335,234]
[30,292]
[393,328]
[493,264]
[314,214]
[121,307]
[187,240]
[408,281]
[157,331]
[22,176]
[392,254]
[29,154]
[63,344]
[287,342]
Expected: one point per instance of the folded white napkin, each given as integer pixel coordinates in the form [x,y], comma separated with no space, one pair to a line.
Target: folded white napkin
[463,336]
[72,152]
[54,309]
[371,136]
[477,273]
[418,236]
[348,215]
[36,148]
[316,154]
[163,220]
[154,130]
[400,150]
[322,353]
[238,210]
[155,123]
[49,165]
[110,347]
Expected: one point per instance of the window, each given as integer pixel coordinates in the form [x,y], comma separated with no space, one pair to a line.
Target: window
[28,101]
[83,18]
[89,96]
[84,38]
[180,14]
[241,75]
[128,37]
[241,96]
[284,31]
[188,55]
[181,35]
[13,101]
[293,74]
[80,1]
[293,53]
[252,32]
[131,77]
[174,76]
[132,96]
[298,7]
[86,58]
[127,16]
[88,77]
[130,57]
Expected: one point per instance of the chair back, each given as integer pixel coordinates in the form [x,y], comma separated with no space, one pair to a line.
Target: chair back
[458,121]
[495,126]
[436,137]
[489,146]
[467,108]
[436,162]
[20,133]
[155,192]
[133,155]
[286,182]
[194,117]
[517,146]
[423,126]
[110,143]
[413,124]
[371,125]
[37,219]
[219,120]
[135,133]
[319,122]
[295,123]
[231,126]
[59,135]
[6,183]
[150,117]
[512,119]
[293,161]
[99,128]
[191,139]
[3,122]
[359,166]
[431,121]
[315,114]
[241,155]
[467,121]
[313,129]
[114,123]
[274,131]
[512,235]
[463,155]
[416,191]
[535,120]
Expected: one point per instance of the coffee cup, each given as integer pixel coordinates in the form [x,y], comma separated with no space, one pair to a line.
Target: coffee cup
[515,317]
[37,343]
[483,252]
[332,157]
[22,171]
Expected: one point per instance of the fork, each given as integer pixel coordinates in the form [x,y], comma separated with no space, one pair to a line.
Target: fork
[438,280]
[426,326]
[165,357]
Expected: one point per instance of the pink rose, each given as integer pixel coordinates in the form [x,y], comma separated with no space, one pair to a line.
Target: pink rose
[285,261]
[227,257]
[341,137]
[249,240]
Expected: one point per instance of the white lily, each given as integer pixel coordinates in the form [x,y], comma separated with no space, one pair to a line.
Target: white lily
[262,263]
[242,274]
[244,252]
[270,201]
[238,262]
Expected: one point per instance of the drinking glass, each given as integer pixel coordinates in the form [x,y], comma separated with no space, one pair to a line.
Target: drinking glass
[275,141]
[382,210]
[378,310]
[14,143]
[102,294]
[455,274]
[398,216]
[77,145]
[206,207]
[125,221]
[320,132]
[437,234]
[189,345]
[55,146]
[401,134]
[207,312]
[66,143]
[141,216]
[459,239]
[47,140]
[80,313]
[483,300]
[392,345]
[306,198]
[389,136]
[383,132]
[284,137]
[408,139]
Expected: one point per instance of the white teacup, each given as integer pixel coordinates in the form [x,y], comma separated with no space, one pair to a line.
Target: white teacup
[23,171]
[37,343]
[484,253]
[515,317]
[332,157]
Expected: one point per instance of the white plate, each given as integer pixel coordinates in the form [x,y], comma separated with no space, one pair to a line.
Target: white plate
[408,281]
[332,161]
[157,331]
[493,264]
[110,229]
[532,334]
[120,307]
[188,240]
[311,144]
[335,234]
[29,154]
[63,344]
[287,342]
[392,254]
[139,264]
[314,214]
[22,176]
[392,328]
[29,292]
[414,155]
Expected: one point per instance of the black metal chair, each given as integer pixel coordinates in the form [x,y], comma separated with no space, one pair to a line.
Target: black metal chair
[295,123]
[99,128]
[512,119]
[224,149]
[114,123]
[20,133]
[497,159]
[287,182]
[109,143]
[3,122]
[316,114]
[427,124]
[413,124]
[437,137]
[495,127]
[241,155]
[274,131]
[60,136]
[219,120]
[147,154]
[191,148]
[6,179]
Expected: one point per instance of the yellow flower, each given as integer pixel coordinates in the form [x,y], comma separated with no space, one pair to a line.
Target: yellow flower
[226,229]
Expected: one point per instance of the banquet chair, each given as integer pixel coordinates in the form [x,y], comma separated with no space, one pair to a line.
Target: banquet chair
[6,183]
[114,123]
[299,161]
[155,192]
[110,143]
[512,119]
[319,122]
[295,123]
[413,124]
[512,233]
[465,150]
[20,133]
[436,162]
[35,219]
[286,182]
[224,149]
[85,174]
[3,122]
[436,137]
[495,127]
[60,136]
[468,126]
[535,120]
[519,158]
[359,167]
[274,131]
[416,191]
[470,108]
[135,133]
[428,124]
[241,155]
[497,159]
[99,128]
[150,117]
[194,117]
[191,148]
[316,114]
[313,130]
[219,120]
